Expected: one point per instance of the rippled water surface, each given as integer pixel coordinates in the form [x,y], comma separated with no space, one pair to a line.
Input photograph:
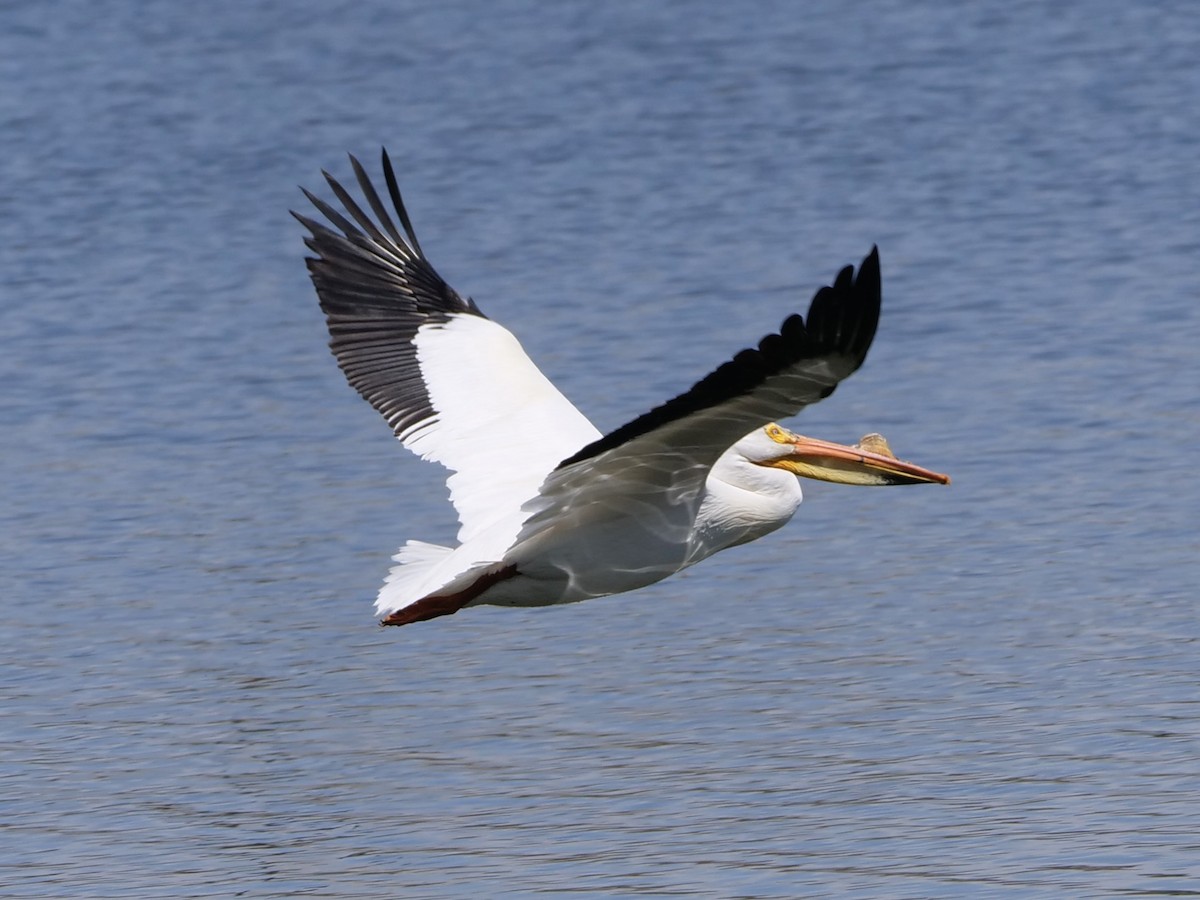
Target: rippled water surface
[983,690]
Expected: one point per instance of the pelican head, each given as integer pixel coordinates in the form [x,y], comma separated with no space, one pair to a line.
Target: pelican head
[870,462]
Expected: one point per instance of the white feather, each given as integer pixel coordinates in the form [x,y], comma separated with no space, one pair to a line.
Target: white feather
[488,397]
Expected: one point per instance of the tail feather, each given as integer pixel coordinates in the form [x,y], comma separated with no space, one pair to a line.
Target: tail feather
[447,604]
[408,580]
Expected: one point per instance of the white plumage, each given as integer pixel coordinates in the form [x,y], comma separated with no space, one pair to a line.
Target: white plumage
[552,511]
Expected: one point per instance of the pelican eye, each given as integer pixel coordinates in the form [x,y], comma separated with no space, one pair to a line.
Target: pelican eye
[778,434]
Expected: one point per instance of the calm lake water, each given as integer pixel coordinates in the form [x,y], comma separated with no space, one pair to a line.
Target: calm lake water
[991,689]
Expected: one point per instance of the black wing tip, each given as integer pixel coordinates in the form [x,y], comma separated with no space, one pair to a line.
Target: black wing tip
[844,315]
[868,300]
[358,221]
[369,240]
[868,270]
[313,225]
[393,186]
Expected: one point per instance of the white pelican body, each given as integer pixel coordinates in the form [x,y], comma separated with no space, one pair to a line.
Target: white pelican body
[552,511]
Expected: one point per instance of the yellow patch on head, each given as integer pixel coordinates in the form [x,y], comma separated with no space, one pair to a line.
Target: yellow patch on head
[779,434]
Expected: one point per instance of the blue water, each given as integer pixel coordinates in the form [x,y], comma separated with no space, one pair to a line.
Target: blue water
[984,690]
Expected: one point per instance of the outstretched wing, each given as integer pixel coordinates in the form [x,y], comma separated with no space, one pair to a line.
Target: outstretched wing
[661,459]
[456,387]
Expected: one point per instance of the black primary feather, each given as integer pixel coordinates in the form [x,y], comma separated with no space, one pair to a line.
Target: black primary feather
[377,289]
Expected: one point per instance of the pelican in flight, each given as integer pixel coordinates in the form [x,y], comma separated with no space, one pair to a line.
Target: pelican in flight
[551,510]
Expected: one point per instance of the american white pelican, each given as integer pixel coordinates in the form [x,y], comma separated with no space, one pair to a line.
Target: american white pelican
[551,510]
